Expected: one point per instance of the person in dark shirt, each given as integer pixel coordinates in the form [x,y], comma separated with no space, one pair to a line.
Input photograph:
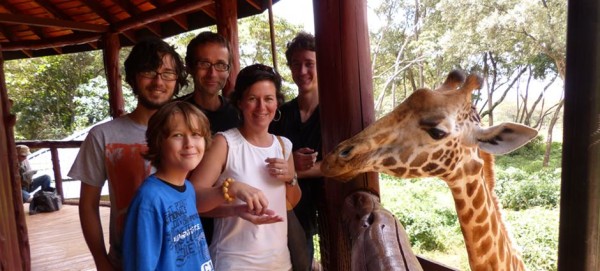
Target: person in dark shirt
[208,61]
[300,122]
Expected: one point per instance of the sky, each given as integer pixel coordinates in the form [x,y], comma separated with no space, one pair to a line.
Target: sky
[301,12]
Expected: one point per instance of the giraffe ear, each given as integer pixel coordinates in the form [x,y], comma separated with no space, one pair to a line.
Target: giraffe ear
[504,138]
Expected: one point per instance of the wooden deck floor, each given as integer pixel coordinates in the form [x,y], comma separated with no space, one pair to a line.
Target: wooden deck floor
[56,240]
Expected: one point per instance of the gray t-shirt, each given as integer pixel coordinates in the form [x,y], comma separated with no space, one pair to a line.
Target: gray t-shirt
[113,151]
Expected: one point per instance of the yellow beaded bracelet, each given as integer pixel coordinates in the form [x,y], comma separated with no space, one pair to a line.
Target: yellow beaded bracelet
[225,188]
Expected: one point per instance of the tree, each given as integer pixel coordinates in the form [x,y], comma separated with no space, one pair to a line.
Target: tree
[45,91]
[502,40]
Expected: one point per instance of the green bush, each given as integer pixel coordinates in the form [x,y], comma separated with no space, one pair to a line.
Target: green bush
[535,231]
[519,190]
[425,208]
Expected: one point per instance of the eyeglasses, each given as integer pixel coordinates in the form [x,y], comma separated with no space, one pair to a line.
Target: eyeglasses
[205,65]
[167,76]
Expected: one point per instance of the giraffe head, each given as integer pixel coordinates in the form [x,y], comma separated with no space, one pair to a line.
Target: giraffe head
[431,134]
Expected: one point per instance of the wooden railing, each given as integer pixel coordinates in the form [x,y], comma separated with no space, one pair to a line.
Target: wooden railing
[53,145]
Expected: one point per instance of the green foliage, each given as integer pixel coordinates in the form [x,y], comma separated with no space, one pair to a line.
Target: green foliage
[519,190]
[255,46]
[535,230]
[530,185]
[426,210]
[44,92]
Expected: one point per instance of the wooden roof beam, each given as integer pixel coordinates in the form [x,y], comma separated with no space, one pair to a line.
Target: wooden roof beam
[95,6]
[155,28]
[9,35]
[48,43]
[45,22]
[181,20]
[130,35]
[51,9]
[210,11]
[93,45]
[164,13]
[128,7]
[37,31]
[155,3]
[255,4]
[28,53]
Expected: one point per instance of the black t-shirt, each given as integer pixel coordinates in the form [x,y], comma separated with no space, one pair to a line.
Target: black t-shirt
[225,118]
[302,135]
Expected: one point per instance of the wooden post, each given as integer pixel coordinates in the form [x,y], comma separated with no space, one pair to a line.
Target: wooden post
[578,242]
[14,241]
[346,102]
[227,26]
[113,77]
[57,175]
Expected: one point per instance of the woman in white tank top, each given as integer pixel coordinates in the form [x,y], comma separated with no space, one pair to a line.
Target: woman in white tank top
[247,174]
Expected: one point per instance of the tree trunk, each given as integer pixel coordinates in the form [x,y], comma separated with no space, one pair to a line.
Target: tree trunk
[550,128]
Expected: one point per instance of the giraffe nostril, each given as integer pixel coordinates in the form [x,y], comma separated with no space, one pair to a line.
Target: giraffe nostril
[345,152]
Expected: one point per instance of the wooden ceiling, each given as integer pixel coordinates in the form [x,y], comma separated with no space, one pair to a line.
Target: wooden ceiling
[34,28]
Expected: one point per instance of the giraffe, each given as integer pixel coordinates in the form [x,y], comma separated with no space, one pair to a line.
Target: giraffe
[438,134]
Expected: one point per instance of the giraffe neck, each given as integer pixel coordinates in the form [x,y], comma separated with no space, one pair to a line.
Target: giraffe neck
[488,243]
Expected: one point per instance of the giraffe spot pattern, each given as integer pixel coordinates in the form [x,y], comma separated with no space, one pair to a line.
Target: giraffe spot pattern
[404,156]
[436,155]
[494,222]
[414,172]
[420,159]
[438,172]
[485,246]
[471,188]
[400,171]
[380,138]
[430,167]
[479,198]
[388,161]
[460,204]
[472,167]
[467,216]
[502,253]
[482,216]
[479,232]
[456,191]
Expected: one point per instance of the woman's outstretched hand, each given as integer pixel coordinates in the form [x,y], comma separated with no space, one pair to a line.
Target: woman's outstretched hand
[255,199]
[268,217]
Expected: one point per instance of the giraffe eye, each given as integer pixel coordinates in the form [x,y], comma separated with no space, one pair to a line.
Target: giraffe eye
[345,152]
[436,133]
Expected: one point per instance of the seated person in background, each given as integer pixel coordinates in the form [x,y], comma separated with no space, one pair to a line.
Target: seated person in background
[28,183]
[163,229]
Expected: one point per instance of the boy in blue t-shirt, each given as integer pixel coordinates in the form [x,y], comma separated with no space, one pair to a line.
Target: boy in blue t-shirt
[163,229]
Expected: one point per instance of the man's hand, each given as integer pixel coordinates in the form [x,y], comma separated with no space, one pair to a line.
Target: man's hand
[304,159]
